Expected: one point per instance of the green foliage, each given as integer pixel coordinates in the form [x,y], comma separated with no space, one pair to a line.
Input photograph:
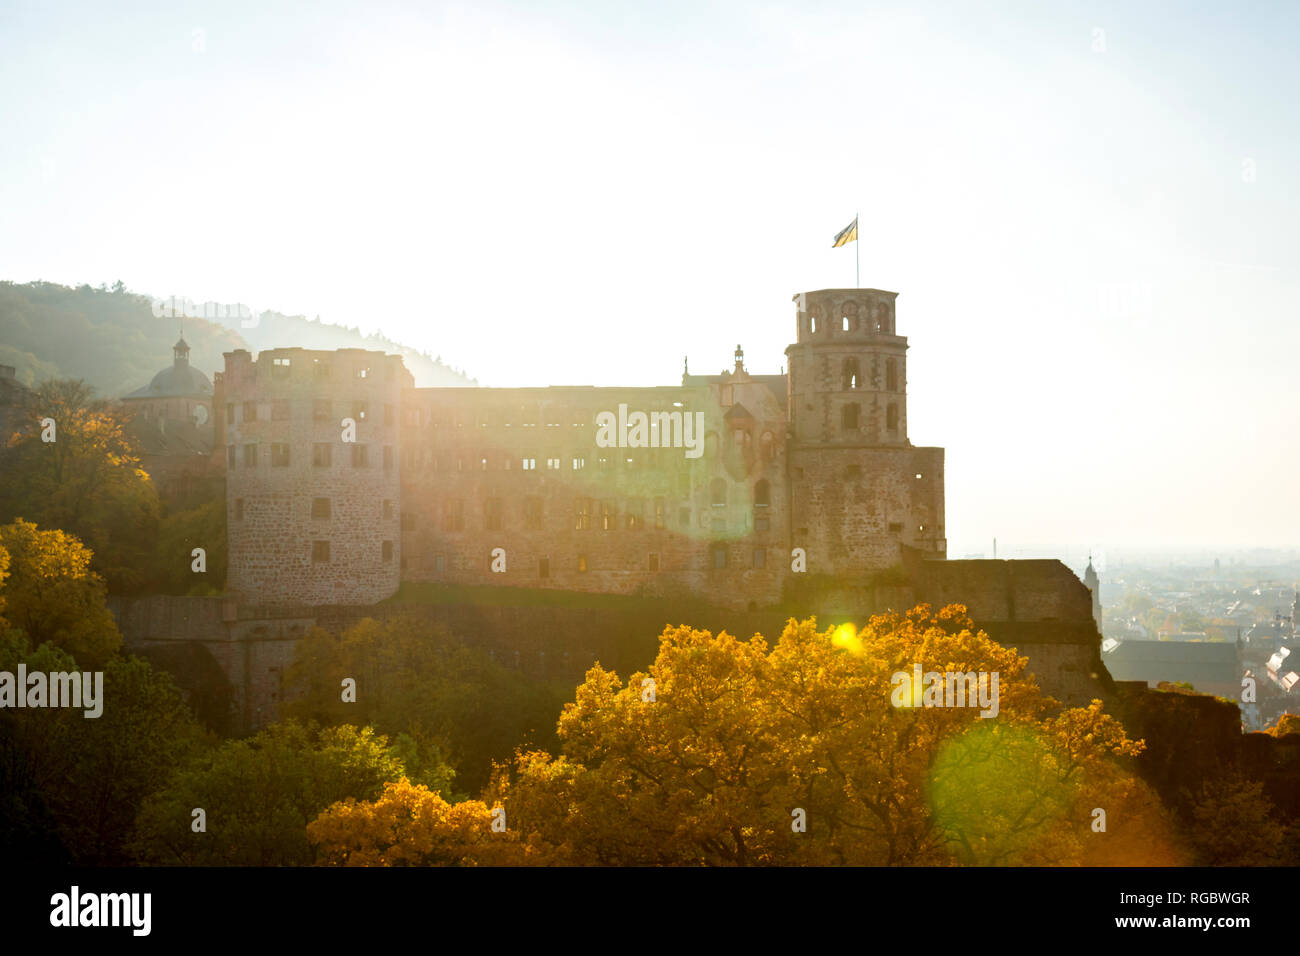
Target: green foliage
[1233,823]
[259,795]
[80,780]
[205,527]
[113,341]
[414,678]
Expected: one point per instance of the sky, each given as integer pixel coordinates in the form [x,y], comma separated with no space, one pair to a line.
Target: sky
[1088,211]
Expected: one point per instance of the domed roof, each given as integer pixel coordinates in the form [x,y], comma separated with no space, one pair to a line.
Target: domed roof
[177,380]
[180,379]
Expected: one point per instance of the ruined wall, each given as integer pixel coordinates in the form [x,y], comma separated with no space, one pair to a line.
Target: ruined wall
[521,470]
[311,517]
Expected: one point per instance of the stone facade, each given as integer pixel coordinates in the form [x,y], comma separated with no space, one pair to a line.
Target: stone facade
[818,460]
[310,441]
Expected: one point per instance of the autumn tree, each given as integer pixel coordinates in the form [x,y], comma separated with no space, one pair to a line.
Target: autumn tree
[734,752]
[86,481]
[54,596]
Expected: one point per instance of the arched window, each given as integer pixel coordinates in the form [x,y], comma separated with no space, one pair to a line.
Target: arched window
[762,494]
[812,323]
[891,418]
[849,374]
[767,446]
[849,417]
[891,374]
[718,492]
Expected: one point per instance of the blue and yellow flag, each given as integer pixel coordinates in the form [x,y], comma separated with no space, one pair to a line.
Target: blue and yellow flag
[848,234]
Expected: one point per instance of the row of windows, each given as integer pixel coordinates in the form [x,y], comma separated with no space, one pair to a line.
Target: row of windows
[323,370]
[719,559]
[322,455]
[850,416]
[320,509]
[851,375]
[874,321]
[322,410]
[588,513]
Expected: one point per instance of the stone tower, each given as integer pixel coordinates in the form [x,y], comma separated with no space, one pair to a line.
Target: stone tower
[313,505]
[1093,583]
[860,491]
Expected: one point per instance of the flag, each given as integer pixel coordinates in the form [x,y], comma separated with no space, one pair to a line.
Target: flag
[848,234]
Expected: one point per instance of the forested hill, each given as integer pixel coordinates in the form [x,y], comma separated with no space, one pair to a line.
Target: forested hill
[112,340]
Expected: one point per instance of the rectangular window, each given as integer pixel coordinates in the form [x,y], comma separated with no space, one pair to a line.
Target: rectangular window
[239,509]
[279,454]
[544,567]
[321,410]
[762,524]
[250,455]
[250,411]
[719,556]
[760,557]
[453,515]
[360,459]
[322,454]
[359,410]
[634,514]
[320,552]
[891,375]
[439,564]
[279,367]
[533,514]
[582,514]
[582,564]
[280,410]
[579,463]
[320,507]
[660,513]
[895,527]
[529,464]
[552,464]
[652,561]
[492,514]
[607,517]
[388,509]
[388,458]
[386,552]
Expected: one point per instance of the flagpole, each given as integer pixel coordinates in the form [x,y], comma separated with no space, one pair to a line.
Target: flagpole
[857,261]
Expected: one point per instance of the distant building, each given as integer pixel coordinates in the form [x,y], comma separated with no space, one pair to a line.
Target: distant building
[1093,583]
[172,420]
[1211,668]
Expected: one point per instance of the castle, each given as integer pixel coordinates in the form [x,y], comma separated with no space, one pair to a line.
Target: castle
[343,480]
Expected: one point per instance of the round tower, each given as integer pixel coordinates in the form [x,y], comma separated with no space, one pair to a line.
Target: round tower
[860,491]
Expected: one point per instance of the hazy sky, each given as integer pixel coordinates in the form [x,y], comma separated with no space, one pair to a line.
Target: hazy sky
[1089,211]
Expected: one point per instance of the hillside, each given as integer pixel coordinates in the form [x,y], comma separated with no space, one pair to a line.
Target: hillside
[112,340]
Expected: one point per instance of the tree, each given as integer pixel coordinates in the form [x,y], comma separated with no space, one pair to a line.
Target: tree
[86,481]
[258,795]
[53,596]
[411,826]
[84,778]
[1233,823]
[414,678]
[731,752]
